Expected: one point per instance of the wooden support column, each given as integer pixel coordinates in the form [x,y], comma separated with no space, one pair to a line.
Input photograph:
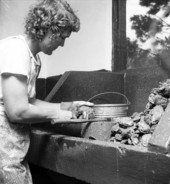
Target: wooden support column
[119,51]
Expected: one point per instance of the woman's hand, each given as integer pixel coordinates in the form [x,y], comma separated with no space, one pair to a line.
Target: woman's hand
[81,109]
[64,114]
[74,110]
[61,115]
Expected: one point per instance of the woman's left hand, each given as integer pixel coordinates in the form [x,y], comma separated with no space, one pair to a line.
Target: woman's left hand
[81,109]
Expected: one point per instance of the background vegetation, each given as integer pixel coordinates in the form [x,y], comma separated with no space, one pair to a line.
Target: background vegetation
[153,31]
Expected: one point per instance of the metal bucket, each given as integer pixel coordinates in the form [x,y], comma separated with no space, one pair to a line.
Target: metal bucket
[110,110]
[102,130]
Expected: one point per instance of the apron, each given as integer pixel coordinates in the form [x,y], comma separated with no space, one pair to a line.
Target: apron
[15,138]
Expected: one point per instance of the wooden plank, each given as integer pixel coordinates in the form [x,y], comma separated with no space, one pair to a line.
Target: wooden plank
[98,162]
[57,86]
[119,51]
[161,136]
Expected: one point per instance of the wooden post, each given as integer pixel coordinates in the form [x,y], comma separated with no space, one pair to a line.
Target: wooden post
[119,51]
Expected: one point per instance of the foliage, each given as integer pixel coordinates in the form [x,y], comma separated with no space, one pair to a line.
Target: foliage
[136,56]
[132,47]
[142,24]
[154,5]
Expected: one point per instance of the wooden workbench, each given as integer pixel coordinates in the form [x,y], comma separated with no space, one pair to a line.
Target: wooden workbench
[98,162]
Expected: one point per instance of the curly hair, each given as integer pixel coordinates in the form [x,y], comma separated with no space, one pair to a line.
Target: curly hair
[54,15]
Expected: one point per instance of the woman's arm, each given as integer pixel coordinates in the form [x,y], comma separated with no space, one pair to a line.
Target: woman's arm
[20,110]
[41,103]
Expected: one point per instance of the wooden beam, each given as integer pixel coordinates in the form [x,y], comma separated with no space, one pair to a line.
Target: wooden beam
[119,50]
[57,86]
[98,162]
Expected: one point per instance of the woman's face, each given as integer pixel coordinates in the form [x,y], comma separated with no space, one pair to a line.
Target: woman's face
[52,41]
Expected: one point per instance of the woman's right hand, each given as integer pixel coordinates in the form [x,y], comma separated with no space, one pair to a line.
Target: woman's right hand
[62,115]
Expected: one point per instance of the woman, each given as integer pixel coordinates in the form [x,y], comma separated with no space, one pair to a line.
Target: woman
[47,26]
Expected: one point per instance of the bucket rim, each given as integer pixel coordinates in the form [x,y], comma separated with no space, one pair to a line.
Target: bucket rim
[110,105]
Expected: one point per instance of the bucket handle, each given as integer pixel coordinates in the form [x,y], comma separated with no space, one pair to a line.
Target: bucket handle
[128,103]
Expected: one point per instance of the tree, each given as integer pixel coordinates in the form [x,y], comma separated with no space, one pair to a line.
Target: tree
[141,24]
[136,55]
[147,25]
[154,5]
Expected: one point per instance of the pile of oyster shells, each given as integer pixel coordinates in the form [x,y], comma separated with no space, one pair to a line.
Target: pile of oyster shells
[138,128]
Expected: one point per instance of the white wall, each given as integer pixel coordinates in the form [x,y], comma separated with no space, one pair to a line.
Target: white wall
[89,49]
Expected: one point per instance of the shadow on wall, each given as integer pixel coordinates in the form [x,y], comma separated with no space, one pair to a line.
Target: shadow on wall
[45,176]
[136,85]
[140,81]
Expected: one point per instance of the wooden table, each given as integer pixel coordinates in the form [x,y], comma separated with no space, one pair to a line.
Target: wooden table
[98,162]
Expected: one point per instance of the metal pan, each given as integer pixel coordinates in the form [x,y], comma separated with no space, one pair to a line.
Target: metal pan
[78,121]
